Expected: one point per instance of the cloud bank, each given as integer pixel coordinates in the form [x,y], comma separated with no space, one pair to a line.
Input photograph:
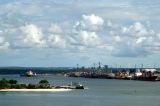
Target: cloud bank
[89,32]
[79,30]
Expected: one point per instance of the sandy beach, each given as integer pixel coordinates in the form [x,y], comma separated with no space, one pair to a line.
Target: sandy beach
[34,90]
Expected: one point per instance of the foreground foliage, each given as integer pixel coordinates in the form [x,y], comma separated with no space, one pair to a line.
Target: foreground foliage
[13,84]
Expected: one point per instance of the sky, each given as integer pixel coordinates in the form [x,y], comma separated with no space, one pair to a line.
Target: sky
[64,33]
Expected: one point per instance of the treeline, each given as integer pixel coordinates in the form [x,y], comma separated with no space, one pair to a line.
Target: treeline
[38,70]
[13,84]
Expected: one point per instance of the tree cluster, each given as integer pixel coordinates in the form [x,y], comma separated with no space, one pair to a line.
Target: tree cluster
[13,84]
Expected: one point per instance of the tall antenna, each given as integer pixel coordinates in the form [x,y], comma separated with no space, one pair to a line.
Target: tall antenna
[141,65]
[154,65]
[77,66]
[116,68]
[99,65]
[94,65]
[135,66]
[120,66]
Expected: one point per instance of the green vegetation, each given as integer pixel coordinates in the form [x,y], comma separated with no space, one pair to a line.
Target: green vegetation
[13,84]
[43,82]
[12,81]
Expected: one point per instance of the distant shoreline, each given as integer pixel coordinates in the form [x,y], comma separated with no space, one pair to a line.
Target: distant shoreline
[35,90]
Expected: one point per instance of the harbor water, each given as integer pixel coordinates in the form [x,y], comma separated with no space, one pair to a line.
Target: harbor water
[99,92]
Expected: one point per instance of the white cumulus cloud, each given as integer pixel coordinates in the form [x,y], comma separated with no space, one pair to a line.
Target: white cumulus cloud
[33,36]
[134,40]
[57,41]
[92,19]
[55,28]
[88,38]
[3,44]
[90,22]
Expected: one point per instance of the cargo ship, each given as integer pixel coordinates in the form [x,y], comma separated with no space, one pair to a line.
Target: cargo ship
[28,74]
[151,78]
[146,76]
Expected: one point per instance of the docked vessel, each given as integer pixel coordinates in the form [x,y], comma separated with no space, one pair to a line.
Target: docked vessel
[146,76]
[151,78]
[28,74]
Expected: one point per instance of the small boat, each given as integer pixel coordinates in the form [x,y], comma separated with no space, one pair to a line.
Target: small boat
[129,77]
[75,85]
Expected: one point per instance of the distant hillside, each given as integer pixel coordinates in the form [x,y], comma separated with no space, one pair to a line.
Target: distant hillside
[39,70]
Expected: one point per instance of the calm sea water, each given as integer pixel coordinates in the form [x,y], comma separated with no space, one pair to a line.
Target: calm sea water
[100,92]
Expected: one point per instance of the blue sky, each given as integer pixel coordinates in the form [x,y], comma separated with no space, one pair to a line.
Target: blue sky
[53,33]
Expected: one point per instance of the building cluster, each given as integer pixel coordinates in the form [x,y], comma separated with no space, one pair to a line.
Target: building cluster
[132,74]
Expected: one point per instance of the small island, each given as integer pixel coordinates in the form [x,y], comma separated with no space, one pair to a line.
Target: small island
[43,85]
